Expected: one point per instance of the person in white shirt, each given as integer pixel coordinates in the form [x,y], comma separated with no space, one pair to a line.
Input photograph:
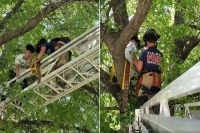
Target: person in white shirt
[130,51]
[23,62]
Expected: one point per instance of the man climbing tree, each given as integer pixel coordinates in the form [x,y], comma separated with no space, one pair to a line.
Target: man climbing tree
[130,51]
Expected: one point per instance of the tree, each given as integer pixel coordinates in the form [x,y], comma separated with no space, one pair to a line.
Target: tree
[178,24]
[25,22]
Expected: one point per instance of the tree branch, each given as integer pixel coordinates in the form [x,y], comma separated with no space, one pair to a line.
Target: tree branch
[110,108]
[194,27]
[108,37]
[113,89]
[32,23]
[120,13]
[94,99]
[178,17]
[108,12]
[13,11]
[91,90]
[131,29]
[193,41]
[133,26]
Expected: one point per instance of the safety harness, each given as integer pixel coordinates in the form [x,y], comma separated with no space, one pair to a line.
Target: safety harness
[154,88]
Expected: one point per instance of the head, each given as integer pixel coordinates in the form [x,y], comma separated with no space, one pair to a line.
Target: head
[29,50]
[39,43]
[137,40]
[150,38]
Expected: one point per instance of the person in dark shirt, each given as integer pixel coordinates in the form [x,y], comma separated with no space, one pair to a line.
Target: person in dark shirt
[150,65]
[44,47]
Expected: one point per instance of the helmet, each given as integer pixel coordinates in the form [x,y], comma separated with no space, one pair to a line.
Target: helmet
[135,37]
[30,48]
[151,35]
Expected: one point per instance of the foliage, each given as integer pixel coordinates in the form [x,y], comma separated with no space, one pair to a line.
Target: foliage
[77,111]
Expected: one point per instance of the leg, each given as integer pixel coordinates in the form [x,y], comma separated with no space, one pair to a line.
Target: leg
[64,58]
[140,101]
[142,95]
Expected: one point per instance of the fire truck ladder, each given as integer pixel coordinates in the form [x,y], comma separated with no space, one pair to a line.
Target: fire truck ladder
[81,70]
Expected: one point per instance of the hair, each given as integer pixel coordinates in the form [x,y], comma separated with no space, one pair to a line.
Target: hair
[30,48]
[135,37]
[39,43]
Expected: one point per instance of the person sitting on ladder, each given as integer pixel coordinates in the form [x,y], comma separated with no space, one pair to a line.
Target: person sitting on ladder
[44,47]
[150,65]
[130,51]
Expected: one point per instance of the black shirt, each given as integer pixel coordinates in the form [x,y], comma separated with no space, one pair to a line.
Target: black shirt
[49,47]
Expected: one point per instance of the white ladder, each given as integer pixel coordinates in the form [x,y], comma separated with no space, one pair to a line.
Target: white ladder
[80,71]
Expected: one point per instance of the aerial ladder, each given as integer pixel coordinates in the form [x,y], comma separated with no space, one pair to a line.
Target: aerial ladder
[81,70]
[146,121]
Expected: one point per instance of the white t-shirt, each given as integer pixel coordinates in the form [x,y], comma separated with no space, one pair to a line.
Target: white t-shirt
[23,65]
[130,49]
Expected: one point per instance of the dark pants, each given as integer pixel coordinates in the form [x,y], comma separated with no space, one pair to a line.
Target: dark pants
[143,99]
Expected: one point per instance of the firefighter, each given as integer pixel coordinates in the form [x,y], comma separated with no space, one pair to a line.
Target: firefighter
[150,65]
[44,47]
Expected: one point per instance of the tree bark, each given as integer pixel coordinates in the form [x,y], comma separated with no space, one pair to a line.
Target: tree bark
[185,44]
[117,41]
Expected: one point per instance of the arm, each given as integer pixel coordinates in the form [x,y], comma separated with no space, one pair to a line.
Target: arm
[17,70]
[42,52]
[140,62]
[140,65]
[30,60]
[135,60]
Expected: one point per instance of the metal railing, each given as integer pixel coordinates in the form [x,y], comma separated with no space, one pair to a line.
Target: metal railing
[188,83]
